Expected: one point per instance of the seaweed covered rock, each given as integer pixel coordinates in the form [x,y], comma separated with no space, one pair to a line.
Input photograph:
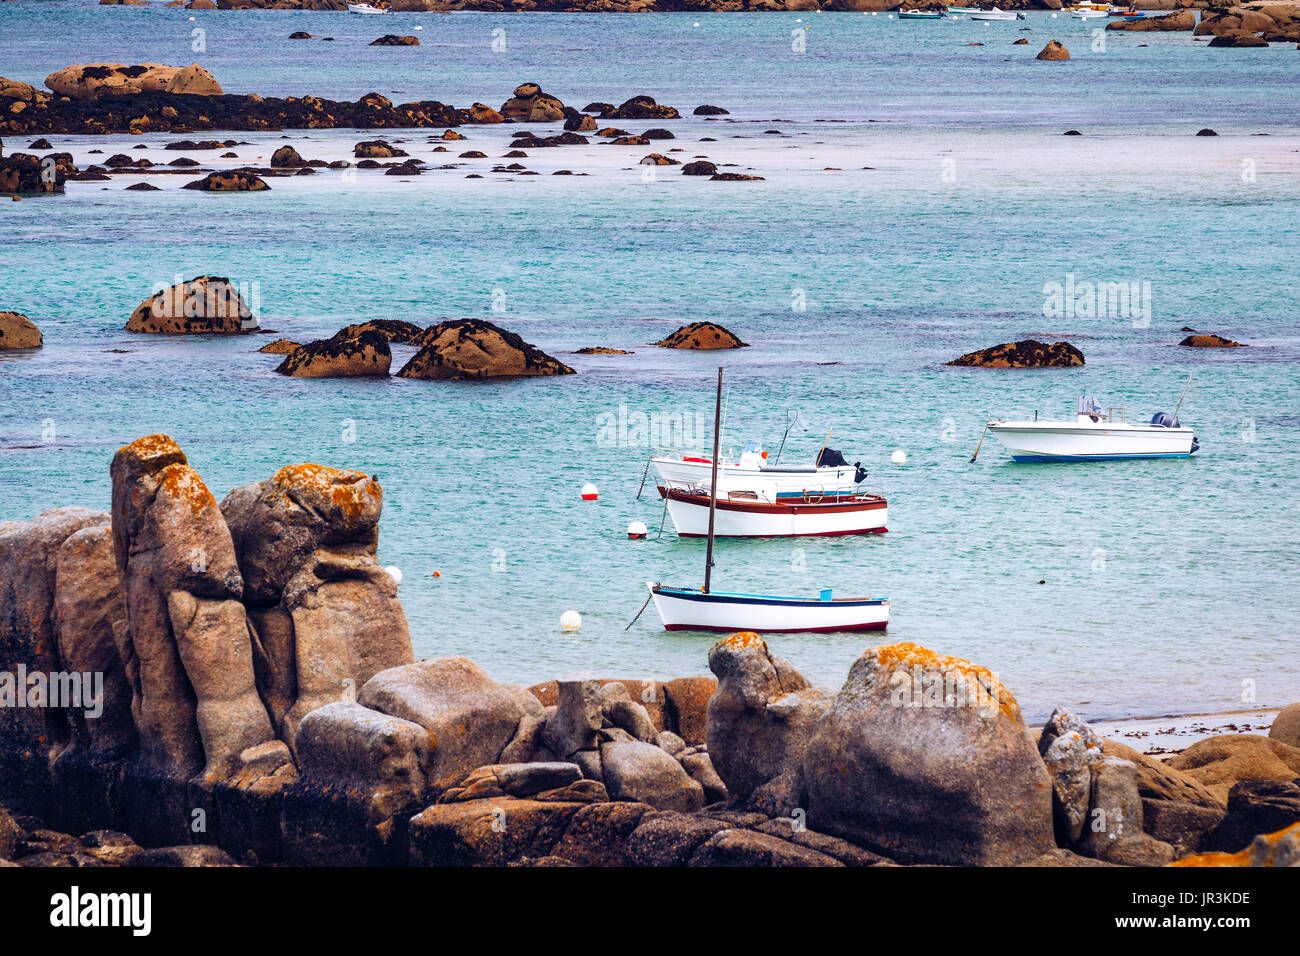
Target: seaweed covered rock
[1027,353]
[377,149]
[531,105]
[640,107]
[286,157]
[18,332]
[389,39]
[344,355]
[24,175]
[394,330]
[927,759]
[475,348]
[205,305]
[702,335]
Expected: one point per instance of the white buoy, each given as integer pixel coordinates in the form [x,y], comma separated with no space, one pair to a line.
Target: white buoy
[636,531]
[395,573]
[570,621]
[419,28]
[589,492]
[899,457]
[191,19]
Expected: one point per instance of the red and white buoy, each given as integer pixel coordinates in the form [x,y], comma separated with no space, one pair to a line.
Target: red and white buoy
[589,492]
[636,531]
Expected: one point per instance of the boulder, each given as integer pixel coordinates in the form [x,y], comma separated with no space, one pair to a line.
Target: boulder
[658,159]
[91,81]
[700,768]
[229,181]
[389,39]
[1053,51]
[1220,762]
[927,759]
[279,347]
[1254,807]
[642,773]
[1159,781]
[762,716]
[640,107]
[700,167]
[707,110]
[1268,849]
[597,835]
[470,717]
[1181,824]
[286,157]
[24,175]
[1114,830]
[394,330]
[18,332]
[670,839]
[481,114]
[686,706]
[575,725]
[377,149]
[1028,353]
[1238,39]
[344,355]
[475,348]
[702,335]
[323,613]
[531,105]
[205,305]
[1069,748]
[489,832]
[1210,342]
[362,776]
[1286,726]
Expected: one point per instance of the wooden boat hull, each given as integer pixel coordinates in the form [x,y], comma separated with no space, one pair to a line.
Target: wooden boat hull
[784,519]
[685,609]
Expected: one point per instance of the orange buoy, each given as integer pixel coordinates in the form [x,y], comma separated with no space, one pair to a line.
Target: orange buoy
[437,574]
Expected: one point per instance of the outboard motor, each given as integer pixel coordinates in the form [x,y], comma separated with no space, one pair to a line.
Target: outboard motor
[1165,420]
[860,475]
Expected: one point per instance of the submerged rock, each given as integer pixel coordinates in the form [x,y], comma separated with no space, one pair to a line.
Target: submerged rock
[19,332]
[203,305]
[1053,51]
[279,347]
[1027,353]
[475,348]
[702,335]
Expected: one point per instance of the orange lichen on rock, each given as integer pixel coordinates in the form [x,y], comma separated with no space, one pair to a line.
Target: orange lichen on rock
[351,492]
[154,446]
[741,640]
[979,681]
[1268,849]
[183,483]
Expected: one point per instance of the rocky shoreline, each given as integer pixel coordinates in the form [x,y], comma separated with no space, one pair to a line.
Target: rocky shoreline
[188,682]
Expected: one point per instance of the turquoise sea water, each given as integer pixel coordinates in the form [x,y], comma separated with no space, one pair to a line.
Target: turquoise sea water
[1167,582]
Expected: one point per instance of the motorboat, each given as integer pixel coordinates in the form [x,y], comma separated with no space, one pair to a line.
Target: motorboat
[366,8]
[750,514]
[996,14]
[1095,436]
[920,14]
[708,610]
[752,471]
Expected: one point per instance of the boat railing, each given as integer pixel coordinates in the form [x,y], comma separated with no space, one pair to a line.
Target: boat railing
[1110,414]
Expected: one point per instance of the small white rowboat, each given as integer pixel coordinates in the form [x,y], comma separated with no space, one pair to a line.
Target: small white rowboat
[695,610]
[743,514]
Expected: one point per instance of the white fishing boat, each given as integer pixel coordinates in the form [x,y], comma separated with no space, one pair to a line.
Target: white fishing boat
[1095,436]
[752,471]
[996,14]
[1089,14]
[366,8]
[750,514]
[920,14]
[708,610]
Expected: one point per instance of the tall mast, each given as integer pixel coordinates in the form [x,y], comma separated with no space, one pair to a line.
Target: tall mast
[713,481]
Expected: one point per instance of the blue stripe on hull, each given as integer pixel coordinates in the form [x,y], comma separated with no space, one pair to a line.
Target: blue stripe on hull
[1043,459]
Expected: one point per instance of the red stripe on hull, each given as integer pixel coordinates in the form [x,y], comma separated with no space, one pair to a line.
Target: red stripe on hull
[878,626]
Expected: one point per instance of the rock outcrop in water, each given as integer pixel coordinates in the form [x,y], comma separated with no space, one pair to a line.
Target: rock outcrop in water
[1054,50]
[206,305]
[1207,341]
[1179,20]
[474,348]
[1028,353]
[92,81]
[230,181]
[702,335]
[530,105]
[19,332]
[347,354]
[22,174]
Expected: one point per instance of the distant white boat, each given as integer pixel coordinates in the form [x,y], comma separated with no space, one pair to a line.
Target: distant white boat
[1093,436]
[920,14]
[748,514]
[996,14]
[366,9]
[1090,14]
